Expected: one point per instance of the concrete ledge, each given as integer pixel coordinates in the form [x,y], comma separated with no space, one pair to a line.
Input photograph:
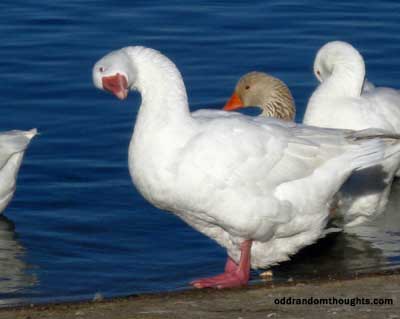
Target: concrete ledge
[253,302]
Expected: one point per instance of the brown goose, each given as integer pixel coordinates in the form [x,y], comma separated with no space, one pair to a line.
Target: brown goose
[265,91]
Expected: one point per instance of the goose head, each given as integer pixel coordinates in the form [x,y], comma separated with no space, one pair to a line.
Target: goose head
[265,91]
[115,73]
[337,54]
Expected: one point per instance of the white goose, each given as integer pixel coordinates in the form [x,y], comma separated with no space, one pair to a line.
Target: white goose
[345,99]
[260,187]
[12,147]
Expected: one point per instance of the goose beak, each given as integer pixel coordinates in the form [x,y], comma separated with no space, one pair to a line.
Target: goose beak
[117,85]
[234,103]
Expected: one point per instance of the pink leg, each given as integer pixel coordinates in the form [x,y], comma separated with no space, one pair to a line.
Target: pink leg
[234,275]
[230,265]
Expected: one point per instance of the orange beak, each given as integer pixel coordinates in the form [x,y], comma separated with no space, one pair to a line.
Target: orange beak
[234,103]
[117,85]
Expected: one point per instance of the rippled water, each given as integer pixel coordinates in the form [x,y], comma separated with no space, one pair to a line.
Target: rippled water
[76,226]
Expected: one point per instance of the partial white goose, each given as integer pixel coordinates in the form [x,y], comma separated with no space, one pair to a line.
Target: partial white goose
[260,187]
[340,100]
[345,99]
[12,147]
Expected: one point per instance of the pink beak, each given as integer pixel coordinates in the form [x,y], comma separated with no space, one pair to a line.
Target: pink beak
[117,85]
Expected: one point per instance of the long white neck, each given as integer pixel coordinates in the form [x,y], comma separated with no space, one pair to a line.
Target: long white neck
[164,122]
[345,81]
[347,78]
[160,84]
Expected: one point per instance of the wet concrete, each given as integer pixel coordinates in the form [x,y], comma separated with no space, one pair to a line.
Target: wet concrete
[258,301]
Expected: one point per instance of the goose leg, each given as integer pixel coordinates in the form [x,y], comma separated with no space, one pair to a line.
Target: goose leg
[235,275]
[230,265]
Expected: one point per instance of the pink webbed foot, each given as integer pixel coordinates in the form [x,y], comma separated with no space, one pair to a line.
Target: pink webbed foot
[225,280]
[230,265]
[234,275]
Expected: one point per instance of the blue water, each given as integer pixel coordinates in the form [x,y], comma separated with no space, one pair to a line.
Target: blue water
[77,226]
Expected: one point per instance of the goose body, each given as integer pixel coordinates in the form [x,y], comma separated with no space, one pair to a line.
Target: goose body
[346,99]
[12,147]
[260,187]
[365,195]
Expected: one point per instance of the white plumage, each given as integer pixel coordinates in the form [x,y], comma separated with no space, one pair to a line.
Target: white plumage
[231,177]
[12,147]
[342,100]
[345,99]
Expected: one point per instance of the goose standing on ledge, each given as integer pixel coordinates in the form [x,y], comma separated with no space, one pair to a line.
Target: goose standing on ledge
[346,100]
[264,91]
[12,148]
[258,186]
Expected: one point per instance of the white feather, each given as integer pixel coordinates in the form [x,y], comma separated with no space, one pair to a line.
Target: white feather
[234,177]
[346,100]
[12,147]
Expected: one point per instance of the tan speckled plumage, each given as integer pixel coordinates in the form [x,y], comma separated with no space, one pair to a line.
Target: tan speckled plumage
[269,93]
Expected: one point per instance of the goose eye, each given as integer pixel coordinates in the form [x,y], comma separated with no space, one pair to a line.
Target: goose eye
[101,69]
[247,87]
[318,72]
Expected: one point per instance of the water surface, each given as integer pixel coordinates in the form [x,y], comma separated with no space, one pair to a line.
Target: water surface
[77,226]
